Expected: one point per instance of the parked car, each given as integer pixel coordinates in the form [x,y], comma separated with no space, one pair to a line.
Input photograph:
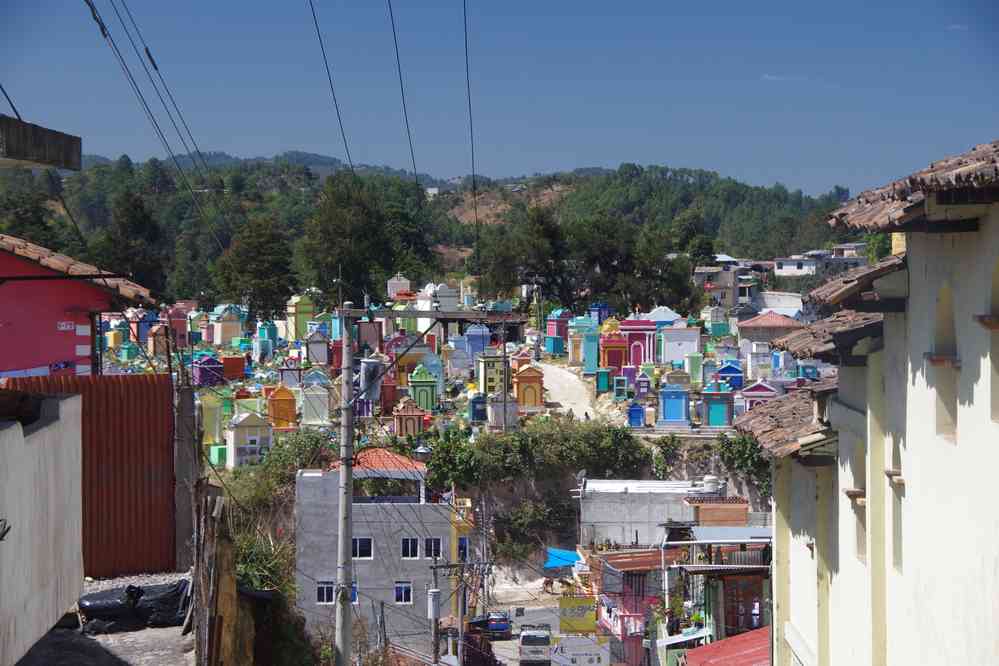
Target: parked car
[534,646]
[499,626]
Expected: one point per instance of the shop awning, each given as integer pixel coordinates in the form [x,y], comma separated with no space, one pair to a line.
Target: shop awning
[560,559]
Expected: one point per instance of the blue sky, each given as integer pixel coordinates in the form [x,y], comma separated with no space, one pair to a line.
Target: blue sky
[804,93]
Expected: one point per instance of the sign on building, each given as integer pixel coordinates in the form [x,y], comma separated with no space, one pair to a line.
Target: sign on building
[577,615]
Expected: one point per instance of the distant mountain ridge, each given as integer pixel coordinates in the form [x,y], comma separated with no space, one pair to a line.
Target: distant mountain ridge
[321,165]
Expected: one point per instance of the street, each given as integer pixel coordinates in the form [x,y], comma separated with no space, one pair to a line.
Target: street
[506,651]
[567,389]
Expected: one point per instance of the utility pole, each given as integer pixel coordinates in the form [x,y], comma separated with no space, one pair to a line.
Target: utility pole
[461,616]
[435,624]
[506,375]
[345,526]
[485,554]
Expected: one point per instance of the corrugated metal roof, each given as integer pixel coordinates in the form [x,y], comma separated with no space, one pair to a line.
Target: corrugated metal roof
[749,649]
[128,469]
[69,266]
[713,533]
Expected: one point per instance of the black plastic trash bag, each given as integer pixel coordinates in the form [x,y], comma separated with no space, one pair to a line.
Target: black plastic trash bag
[134,607]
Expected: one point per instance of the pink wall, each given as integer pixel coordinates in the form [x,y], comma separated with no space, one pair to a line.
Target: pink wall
[46,322]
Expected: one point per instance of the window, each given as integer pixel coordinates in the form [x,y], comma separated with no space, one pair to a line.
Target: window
[410,548]
[780,264]
[462,549]
[432,547]
[403,592]
[326,592]
[800,265]
[361,549]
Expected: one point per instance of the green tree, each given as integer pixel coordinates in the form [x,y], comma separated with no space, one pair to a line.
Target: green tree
[256,269]
[155,178]
[131,244]
[878,246]
[347,235]
[24,215]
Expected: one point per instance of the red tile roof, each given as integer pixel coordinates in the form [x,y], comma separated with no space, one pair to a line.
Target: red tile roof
[770,320]
[60,263]
[778,424]
[383,460]
[749,649]
[901,201]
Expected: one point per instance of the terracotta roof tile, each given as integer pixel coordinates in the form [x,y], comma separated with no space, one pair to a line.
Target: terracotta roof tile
[901,201]
[778,424]
[852,283]
[69,266]
[770,320]
[818,340]
[383,460]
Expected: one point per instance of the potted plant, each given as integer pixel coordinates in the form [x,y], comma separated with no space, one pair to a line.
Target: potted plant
[697,619]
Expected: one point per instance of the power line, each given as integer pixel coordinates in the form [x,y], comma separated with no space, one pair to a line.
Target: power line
[471,132]
[402,92]
[329,77]
[99,20]
[11,102]
[166,88]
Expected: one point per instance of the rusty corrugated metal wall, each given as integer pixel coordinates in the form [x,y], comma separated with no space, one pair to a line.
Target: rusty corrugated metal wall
[128,469]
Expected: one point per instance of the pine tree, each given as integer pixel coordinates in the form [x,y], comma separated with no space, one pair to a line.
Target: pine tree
[256,269]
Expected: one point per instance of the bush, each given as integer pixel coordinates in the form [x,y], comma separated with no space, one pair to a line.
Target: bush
[665,455]
[743,454]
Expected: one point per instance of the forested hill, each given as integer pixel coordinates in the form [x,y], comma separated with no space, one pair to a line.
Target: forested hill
[592,233]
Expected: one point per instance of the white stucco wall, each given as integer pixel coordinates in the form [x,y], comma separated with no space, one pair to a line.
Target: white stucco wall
[943,603]
[41,559]
[802,565]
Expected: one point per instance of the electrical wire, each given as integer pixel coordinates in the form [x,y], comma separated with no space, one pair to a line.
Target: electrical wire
[14,108]
[402,92]
[471,133]
[106,34]
[166,88]
[329,77]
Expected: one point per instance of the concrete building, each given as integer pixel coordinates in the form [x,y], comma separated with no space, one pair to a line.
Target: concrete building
[52,321]
[41,557]
[396,537]
[627,512]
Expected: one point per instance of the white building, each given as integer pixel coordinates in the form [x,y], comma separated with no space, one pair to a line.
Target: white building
[797,265]
[886,546]
[41,557]
[247,439]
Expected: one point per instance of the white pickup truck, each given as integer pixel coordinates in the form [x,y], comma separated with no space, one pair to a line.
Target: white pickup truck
[534,647]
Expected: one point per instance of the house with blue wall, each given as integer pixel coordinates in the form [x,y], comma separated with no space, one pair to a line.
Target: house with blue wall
[731,373]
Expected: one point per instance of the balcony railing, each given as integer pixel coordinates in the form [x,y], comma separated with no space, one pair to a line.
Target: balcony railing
[624,614]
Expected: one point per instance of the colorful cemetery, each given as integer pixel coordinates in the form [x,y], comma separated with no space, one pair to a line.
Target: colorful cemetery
[578,328]
[529,388]
[247,440]
[557,331]
[613,346]
[502,411]
[300,311]
[718,405]
[408,418]
[640,335]
[674,406]
[423,389]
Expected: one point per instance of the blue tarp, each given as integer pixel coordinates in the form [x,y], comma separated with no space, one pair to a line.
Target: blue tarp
[559,559]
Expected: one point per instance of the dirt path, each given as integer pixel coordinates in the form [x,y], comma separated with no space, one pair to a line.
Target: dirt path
[567,389]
